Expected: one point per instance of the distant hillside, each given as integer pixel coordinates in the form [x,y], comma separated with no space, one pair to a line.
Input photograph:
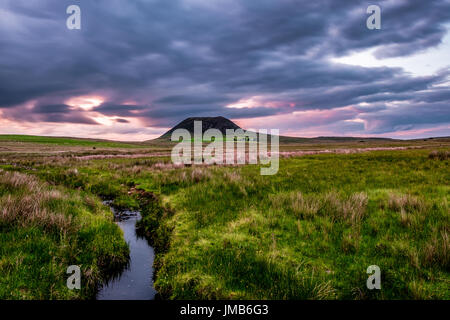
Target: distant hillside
[222,123]
[219,123]
[69,141]
[285,139]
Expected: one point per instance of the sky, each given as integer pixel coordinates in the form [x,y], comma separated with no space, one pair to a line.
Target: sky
[308,68]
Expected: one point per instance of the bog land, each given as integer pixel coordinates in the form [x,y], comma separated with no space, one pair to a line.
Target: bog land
[335,207]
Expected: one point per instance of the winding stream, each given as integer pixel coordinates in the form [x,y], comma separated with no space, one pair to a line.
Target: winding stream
[136,281]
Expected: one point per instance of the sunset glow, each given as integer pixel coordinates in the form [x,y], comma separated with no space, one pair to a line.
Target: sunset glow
[246,103]
[85,102]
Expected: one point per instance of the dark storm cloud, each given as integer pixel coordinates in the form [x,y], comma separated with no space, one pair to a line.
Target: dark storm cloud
[122,121]
[406,117]
[191,100]
[183,58]
[395,88]
[122,110]
[49,113]
[408,27]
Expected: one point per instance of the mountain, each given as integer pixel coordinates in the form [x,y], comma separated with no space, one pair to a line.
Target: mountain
[222,123]
[219,123]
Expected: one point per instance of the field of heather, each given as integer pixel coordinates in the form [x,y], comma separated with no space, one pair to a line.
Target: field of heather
[308,232]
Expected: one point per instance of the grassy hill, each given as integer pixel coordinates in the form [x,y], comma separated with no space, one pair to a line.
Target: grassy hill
[66,141]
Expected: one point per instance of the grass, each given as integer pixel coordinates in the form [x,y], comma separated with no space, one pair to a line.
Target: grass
[62,141]
[43,230]
[308,232]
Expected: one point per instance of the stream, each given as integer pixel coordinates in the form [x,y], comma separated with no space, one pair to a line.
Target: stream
[135,282]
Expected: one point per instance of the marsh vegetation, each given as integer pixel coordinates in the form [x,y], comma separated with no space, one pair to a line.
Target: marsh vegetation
[308,232]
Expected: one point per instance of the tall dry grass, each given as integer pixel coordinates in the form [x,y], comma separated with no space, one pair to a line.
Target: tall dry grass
[436,251]
[16,180]
[439,155]
[412,210]
[406,203]
[351,209]
[27,204]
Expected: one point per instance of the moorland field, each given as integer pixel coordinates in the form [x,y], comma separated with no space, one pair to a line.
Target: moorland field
[335,207]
